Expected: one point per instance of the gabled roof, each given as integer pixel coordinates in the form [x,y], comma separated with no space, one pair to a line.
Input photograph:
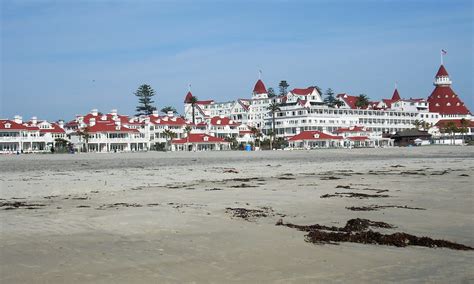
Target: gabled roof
[208,102]
[314,135]
[442,72]
[444,101]
[259,88]
[55,129]
[349,100]
[223,121]
[102,126]
[303,92]
[12,125]
[169,120]
[198,138]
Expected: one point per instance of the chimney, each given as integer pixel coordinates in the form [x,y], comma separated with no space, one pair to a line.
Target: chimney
[113,112]
[61,123]
[34,120]
[170,113]
[118,124]
[18,119]
[92,122]
[155,113]
[94,112]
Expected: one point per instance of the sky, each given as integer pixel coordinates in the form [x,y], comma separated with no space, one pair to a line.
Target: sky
[63,58]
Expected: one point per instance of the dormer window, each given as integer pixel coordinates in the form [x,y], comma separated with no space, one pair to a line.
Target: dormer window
[316,136]
[8,125]
[206,138]
[446,96]
[448,104]
[437,104]
[458,104]
[218,122]
[117,127]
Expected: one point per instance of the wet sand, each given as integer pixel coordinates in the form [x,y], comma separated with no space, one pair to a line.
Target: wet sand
[171,217]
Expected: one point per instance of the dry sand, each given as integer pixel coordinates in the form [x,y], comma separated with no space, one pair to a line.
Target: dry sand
[161,217]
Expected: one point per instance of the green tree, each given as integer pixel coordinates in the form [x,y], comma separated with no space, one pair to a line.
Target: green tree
[257,135]
[193,100]
[145,103]
[318,89]
[187,130]
[417,123]
[464,128]
[283,87]
[85,135]
[273,108]
[271,93]
[169,135]
[362,101]
[452,129]
[167,109]
[329,99]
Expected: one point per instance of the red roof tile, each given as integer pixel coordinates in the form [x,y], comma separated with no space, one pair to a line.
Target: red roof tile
[198,138]
[259,88]
[442,123]
[303,92]
[395,96]
[188,97]
[441,71]
[444,101]
[223,121]
[55,129]
[351,129]
[109,127]
[314,135]
[12,125]
[358,138]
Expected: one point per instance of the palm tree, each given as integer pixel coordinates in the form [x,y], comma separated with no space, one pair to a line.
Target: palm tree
[167,109]
[273,108]
[84,134]
[362,101]
[464,128]
[193,100]
[451,128]
[169,135]
[418,123]
[188,130]
[257,134]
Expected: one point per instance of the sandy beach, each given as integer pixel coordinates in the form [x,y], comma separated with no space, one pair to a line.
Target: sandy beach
[174,217]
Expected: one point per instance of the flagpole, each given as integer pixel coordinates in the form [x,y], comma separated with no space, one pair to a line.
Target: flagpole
[441,54]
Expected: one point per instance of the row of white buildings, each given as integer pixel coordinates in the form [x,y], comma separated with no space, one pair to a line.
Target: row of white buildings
[303,120]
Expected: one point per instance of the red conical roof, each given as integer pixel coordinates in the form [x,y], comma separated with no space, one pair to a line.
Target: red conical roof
[259,88]
[442,71]
[444,101]
[395,96]
[188,97]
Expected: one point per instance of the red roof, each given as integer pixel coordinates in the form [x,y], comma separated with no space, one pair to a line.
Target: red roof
[109,127]
[208,102]
[457,122]
[223,121]
[350,100]
[188,97]
[351,129]
[358,138]
[55,129]
[198,138]
[303,92]
[444,101]
[314,135]
[441,71]
[13,125]
[395,96]
[169,120]
[259,88]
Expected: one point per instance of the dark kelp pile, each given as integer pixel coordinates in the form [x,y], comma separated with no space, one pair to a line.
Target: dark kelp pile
[11,205]
[357,231]
[378,207]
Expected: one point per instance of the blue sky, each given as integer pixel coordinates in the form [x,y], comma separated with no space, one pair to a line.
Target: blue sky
[61,58]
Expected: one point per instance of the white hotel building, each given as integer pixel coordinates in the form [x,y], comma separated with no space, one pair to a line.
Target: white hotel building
[304,110]
[301,110]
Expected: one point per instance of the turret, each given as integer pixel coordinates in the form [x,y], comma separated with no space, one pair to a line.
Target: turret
[442,77]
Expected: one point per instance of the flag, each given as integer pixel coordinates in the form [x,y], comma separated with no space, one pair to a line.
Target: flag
[444,52]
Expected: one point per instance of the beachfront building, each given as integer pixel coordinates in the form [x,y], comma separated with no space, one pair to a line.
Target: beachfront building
[98,132]
[303,109]
[199,142]
[315,139]
[31,136]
